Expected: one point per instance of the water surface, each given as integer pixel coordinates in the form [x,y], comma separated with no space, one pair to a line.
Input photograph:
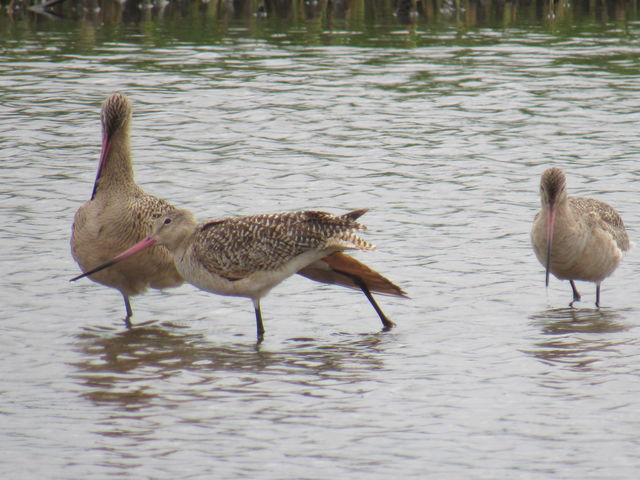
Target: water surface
[443,133]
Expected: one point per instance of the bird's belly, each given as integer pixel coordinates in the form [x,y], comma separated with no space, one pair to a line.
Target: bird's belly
[591,260]
[254,285]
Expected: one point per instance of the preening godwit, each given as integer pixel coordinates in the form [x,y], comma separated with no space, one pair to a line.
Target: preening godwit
[248,256]
[576,238]
[119,214]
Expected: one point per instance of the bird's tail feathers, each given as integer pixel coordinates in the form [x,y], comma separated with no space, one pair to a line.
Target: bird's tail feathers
[355,214]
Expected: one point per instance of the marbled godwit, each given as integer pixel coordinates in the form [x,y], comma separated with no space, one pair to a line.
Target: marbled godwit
[248,256]
[576,238]
[119,214]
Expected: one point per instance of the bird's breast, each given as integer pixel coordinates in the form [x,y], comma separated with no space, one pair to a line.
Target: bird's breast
[580,250]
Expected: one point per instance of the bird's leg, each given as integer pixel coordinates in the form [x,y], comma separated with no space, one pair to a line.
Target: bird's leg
[576,295]
[387,324]
[598,295]
[127,306]
[259,325]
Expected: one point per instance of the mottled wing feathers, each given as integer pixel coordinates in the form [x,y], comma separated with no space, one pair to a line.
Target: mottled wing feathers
[604,216]
[236,247]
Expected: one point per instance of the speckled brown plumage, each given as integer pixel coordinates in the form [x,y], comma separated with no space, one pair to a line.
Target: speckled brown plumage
[576,238]
[120,214]
[248,256]
[597,214]
[237,247]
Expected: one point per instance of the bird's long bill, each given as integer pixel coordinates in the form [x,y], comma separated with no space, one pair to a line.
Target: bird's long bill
[147,242]
[551,218]
[106,146]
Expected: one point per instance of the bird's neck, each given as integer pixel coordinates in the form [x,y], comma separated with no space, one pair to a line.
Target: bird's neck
[181,239]
[117,175]
[563,207]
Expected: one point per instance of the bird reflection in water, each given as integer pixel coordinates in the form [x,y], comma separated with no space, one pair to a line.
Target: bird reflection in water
[577,337]
[163,364]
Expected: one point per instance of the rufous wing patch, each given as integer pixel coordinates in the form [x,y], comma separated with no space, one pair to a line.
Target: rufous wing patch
[337,268]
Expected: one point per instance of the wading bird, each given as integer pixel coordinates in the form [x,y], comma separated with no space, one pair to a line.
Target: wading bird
[576,238]
[120,214]
[248,256]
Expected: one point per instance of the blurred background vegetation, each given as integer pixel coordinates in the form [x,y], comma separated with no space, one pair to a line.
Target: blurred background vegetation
[164,21]
[469,12]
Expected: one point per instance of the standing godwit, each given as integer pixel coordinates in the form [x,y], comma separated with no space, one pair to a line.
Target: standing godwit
[119,214]
[248,256]
[576,238]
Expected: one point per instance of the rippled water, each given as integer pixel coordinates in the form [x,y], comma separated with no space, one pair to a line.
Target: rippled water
[443,137]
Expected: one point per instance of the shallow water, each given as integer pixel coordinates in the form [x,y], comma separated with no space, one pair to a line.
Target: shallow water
[443,136]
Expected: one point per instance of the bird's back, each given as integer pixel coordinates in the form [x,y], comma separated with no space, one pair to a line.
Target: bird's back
[237,247]
[598,214]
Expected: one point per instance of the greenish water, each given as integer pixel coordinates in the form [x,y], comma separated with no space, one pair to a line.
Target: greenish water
[380,23]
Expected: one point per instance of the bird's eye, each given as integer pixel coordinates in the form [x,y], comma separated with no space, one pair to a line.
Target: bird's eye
[167,221]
